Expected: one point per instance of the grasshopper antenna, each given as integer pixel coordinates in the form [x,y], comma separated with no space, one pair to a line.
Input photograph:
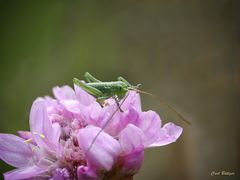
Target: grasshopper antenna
[107,122]
[164,103]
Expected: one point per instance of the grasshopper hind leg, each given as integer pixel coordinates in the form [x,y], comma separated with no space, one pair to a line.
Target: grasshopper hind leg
[89,78]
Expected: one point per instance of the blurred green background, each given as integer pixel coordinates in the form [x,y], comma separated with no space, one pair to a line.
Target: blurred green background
[187,52]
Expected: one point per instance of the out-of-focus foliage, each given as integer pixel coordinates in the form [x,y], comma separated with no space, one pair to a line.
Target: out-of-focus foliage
[186,52]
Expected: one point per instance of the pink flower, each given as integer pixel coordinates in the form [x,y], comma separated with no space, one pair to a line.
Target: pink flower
[62,142]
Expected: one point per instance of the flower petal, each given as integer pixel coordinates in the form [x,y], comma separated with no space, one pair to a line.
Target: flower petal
[94,114]
[71,105]
[24,173]
[133,99]
[45,133]
[14,151]
[83,97]
[150,124]
[169,133]
[130,138]
[132,162]
[25,134]
[64,92]
[39,121]
[121,119]
[103,152]
[111,118]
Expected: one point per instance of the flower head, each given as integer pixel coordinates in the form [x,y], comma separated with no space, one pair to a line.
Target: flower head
[72,137]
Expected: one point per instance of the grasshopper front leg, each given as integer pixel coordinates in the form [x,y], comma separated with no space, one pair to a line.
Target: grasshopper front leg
[128,84]
[124,80]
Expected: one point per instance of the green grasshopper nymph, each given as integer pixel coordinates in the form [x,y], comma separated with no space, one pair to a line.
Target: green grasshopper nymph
[116,90]
[105,90]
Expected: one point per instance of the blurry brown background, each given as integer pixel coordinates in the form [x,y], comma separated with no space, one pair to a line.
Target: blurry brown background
[187,52]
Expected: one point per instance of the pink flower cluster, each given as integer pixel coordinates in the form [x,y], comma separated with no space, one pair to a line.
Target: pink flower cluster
[60,144]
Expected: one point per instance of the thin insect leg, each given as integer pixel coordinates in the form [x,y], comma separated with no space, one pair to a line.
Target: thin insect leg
[117,102]
[105,125]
